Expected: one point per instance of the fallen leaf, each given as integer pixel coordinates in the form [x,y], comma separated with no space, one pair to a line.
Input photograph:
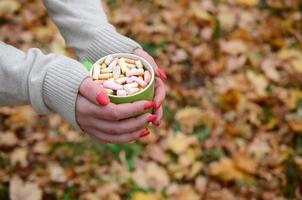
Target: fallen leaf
[233,47]
[56,172]
[297,64]
[19,156]
[8,139]
[9,7]
[259,82]
[226,170]
[144,196]
[248,2]
[19,190]
[201,184]
[151,176]
[269,67]
[185,192]
[245,162]
[179,143]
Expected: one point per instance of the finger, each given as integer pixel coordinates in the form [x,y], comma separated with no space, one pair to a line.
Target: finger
[159,116]
[160,93]
[116,112]
[100,136]
[123,126]
[94,92]
[148,58]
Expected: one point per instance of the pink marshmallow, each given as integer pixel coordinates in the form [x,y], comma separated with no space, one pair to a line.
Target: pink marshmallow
[121,93]
[141,82]
[147,76]
[135,72]
[112,85]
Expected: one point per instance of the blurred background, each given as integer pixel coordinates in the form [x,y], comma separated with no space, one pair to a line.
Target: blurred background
[232,127]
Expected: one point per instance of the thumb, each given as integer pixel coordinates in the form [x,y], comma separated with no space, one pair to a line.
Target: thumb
[94,92]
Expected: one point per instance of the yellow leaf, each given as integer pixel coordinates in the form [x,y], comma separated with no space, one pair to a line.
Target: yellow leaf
[248,2]
[19,155]
[9,6]
[143,196]
[245,162]
[226,170]
[259,82]
[297,64]
[179,142]
[189,117]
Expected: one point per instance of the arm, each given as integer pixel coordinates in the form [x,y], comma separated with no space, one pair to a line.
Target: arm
[47,82]
[86,30]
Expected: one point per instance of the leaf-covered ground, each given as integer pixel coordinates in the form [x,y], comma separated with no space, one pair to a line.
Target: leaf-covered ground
[233,115]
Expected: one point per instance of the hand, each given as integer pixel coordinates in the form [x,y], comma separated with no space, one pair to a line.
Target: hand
[107,122]
[160,91]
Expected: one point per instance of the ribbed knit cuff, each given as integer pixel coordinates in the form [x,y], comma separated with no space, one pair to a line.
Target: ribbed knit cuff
[108,41]
[61,86]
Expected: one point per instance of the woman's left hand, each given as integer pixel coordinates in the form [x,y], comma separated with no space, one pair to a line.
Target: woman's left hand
[160,92]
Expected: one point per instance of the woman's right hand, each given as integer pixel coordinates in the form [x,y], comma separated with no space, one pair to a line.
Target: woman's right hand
[107,122]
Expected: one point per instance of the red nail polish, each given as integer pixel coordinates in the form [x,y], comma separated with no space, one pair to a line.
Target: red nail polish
[148,105]
[157,106]
[145,133]
[102,99]
[162,73]
[152,118]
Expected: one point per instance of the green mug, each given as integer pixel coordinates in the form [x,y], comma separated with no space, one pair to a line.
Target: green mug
[146,94]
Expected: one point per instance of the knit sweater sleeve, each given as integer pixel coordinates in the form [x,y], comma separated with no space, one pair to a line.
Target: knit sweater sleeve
[86,30]
[47,82]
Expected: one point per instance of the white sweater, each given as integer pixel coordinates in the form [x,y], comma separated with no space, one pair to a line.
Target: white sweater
[51,82]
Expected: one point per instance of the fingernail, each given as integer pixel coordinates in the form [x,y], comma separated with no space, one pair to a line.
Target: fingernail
[148,105]
[157,106]
[162,74]
[152,118]
[145,133]
[102,99]
[157,123]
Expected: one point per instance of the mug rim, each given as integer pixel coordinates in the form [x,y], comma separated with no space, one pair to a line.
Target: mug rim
[131,56]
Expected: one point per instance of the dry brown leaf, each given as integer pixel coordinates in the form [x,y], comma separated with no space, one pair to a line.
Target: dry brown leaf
[19,190]
[233,47]
[259,82]
[156,153]
[245,162]
[201,184]
[269,67]
[185,192]
[189,117]
[56,172]
[25,116]
[8,139]
[152,176]
[227,19]
[104,191]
